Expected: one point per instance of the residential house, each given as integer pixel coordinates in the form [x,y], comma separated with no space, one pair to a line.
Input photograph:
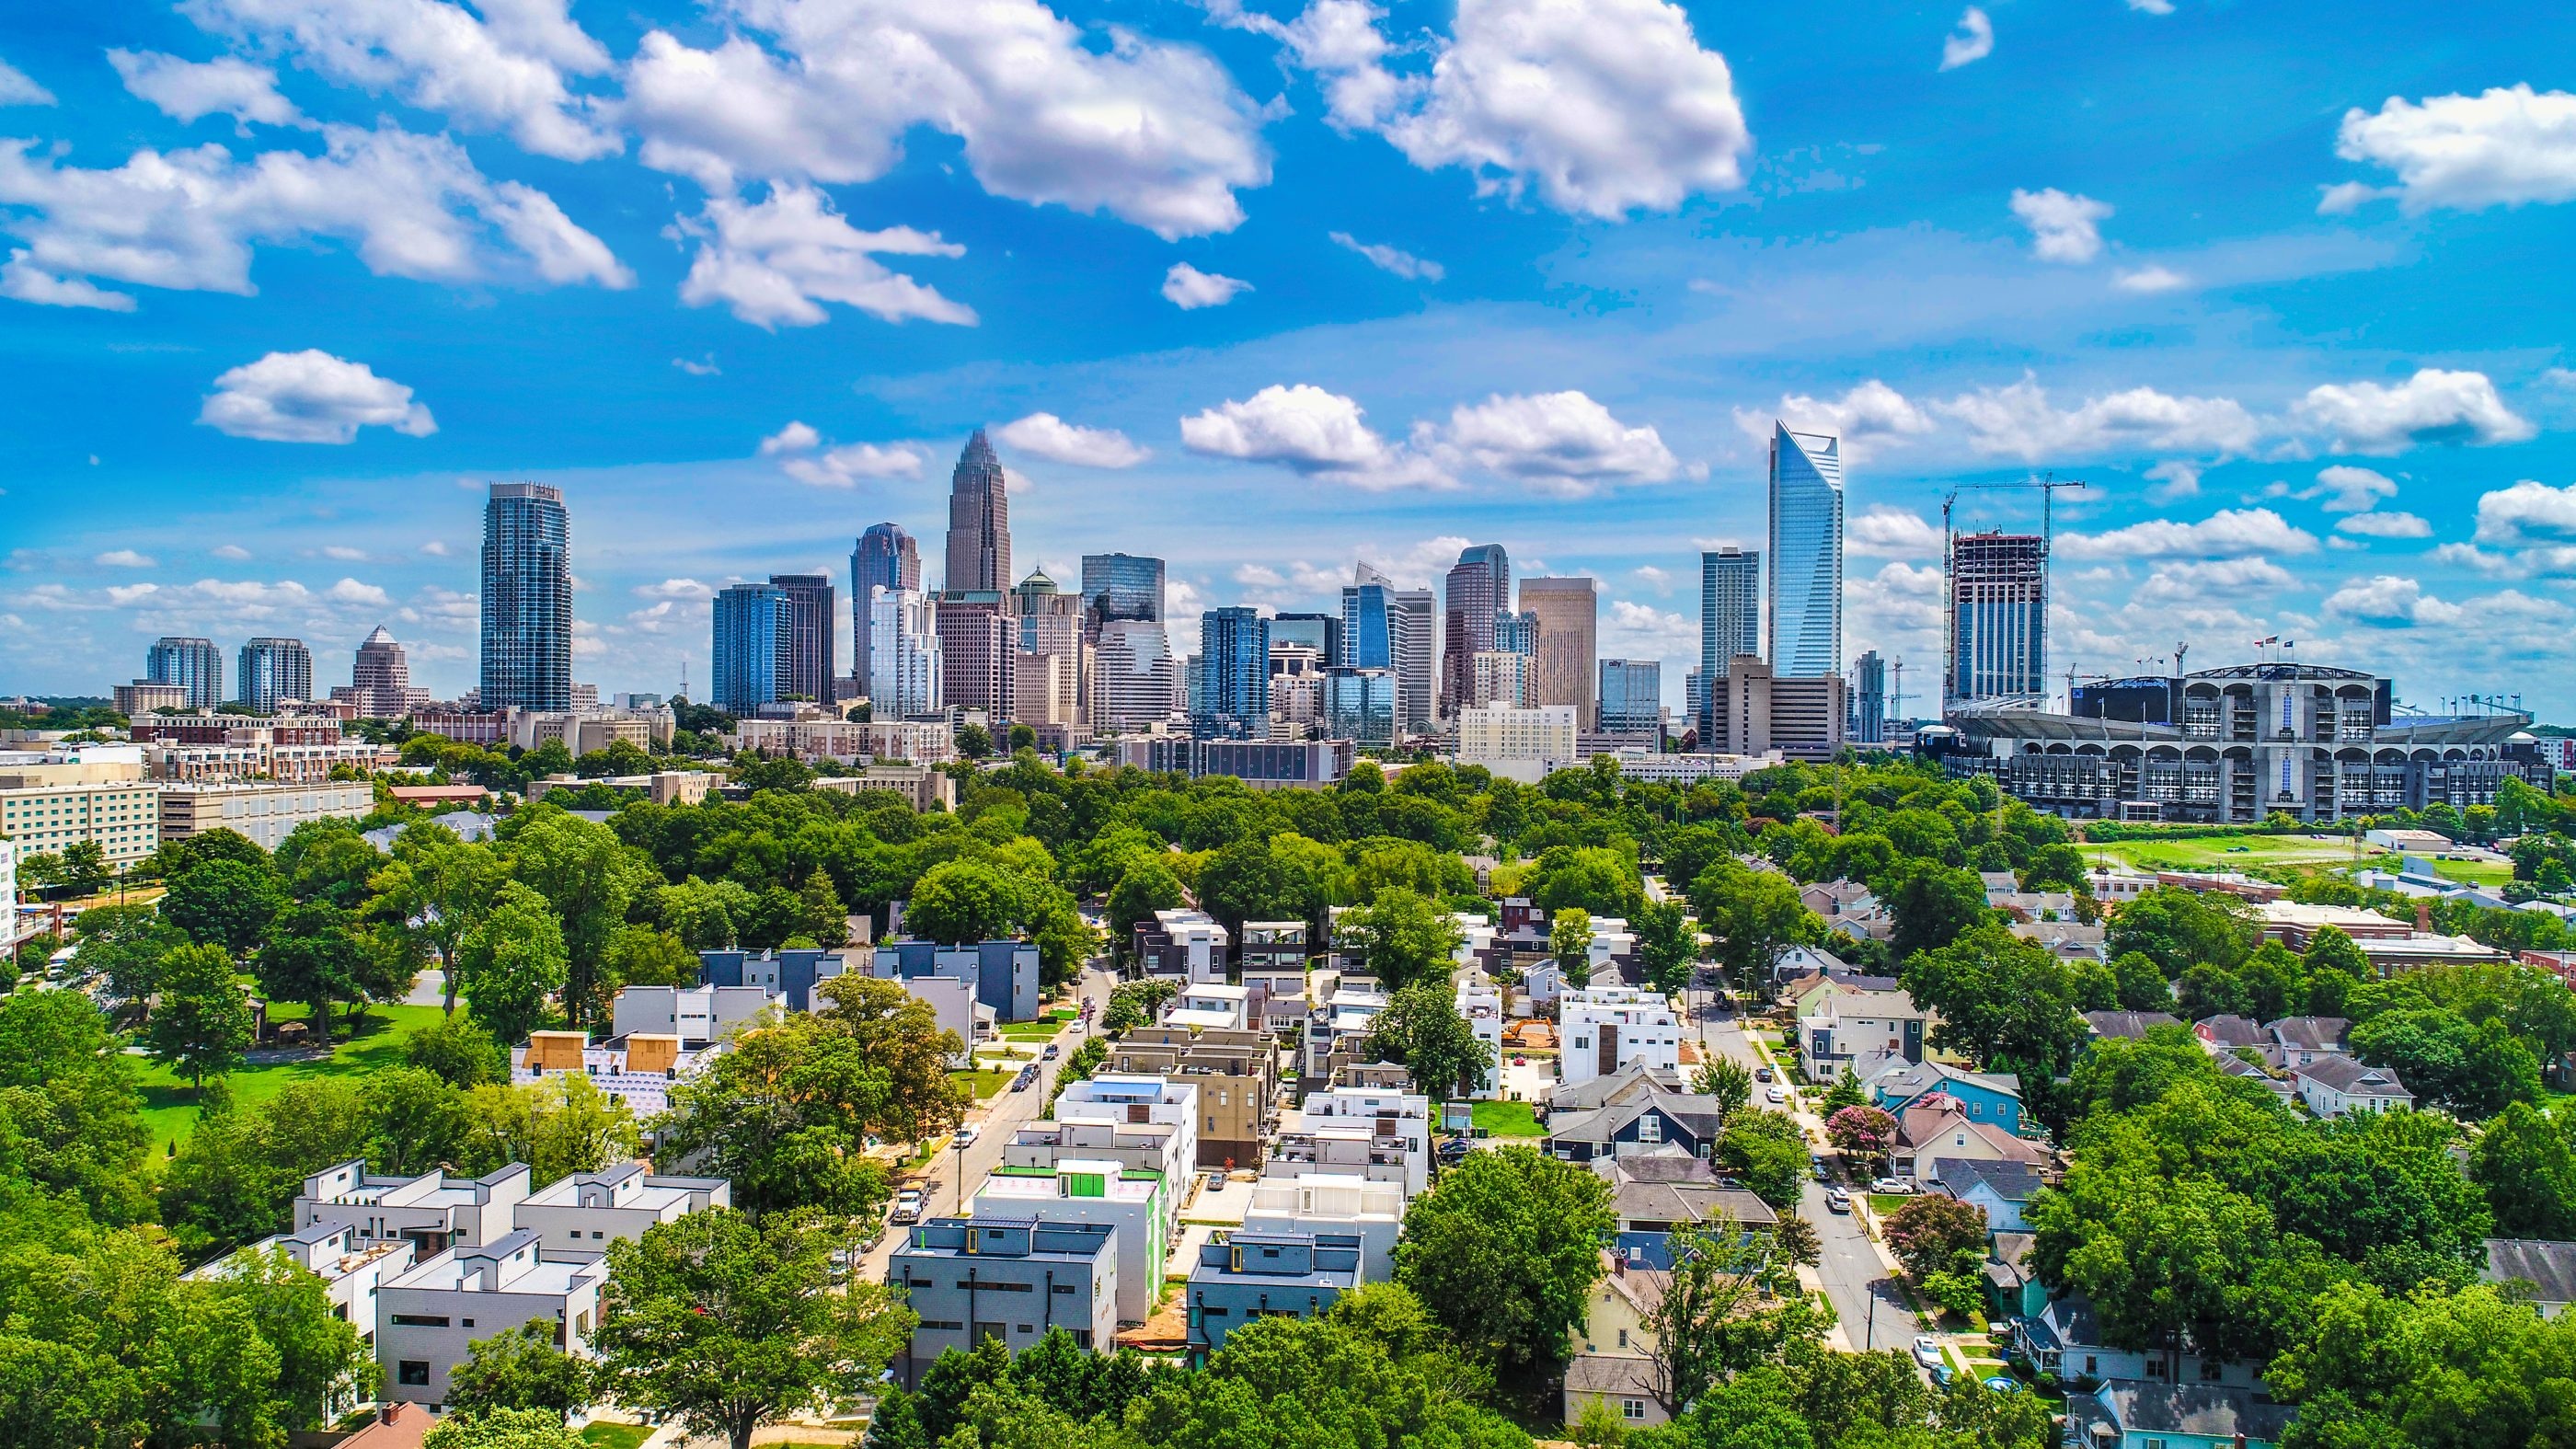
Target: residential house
[2296,1041]
[1337,1033]
[1140,1120]
[789,975]
[1271,947]
[353,1270]
[2066,1339]
[1236,1072]
[2334,1085]
[1653,1194]
[429,1316]
[572,1220]
[1210,1006]
[1333,1203]
[1005,973]
[1630,1083]
[2003,1190]
[1246,1275]
[1937,1125]
[1641,1121]
[1802,995]
[1984,1096]
[1281,1003]
[2013,1289]
[1846,1026]
[1131,1201]
[2220,1035]
[2549,1270]
[1615,1364]
[578,1215]
[1608,1027]
[639,1070]
[2127,1025]
[2065,938]
[1392,1123]
[1481,1004]
[2175,1416]
[1007,1279]
[1848,906]
[1181,945]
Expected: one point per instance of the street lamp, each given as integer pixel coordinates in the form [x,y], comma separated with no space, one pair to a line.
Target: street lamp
[960,1144]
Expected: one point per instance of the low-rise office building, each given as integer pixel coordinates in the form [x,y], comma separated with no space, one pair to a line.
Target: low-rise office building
[1249,1275]
[1134,1202]
[1007,1279]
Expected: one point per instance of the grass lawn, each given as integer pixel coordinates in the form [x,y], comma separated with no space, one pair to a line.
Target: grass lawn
[2234,852]
[170,1108]
[615,1436]
[1031,1030]
[985,1084]
[1508,1119]
[1883,1203]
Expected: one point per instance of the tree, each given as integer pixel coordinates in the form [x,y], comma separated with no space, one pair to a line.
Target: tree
[513,963]
[1932,905]
[520,1369]
[1929,1233]
[960,902]
[1756,916]
[319,1355]
[201,1024]
[225,903]
[1767,1152]
[643,956]
[2474,1069]
[1729,1081]
[559,1125]
[1667,945]
[589,878]
[786,1115]
[2472,1367]
[1867,1133]
[1711,1322]
[438,888]
[896,1031]
[2523,1162]
[501,1429]
[417,1121]
[2141,983]
[728,1326]
[1422,1029]
[974,742]
[1569,940]
[124,945]
[1145,886]
[312,957]
[458,1051]
[85,870]
[1995,995]
[1504,1253]
[2179,929]
[1404,937]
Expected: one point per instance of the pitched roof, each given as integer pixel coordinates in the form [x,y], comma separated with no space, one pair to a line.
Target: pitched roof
[2549,1267]
[1633,1079]
[2128,1025]
[2010,1181]
[1602,1373]
[2352,1078]
[1689,1202]
[2310,1033]
[1916,1079]
[2231,1031]
[1697,1115]
[2211,1411]
[1935,1115]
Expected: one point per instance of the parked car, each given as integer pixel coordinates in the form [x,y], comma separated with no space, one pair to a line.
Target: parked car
[966,1135]
[1942,1374]
[2003,1384]
[1927,1350]
[1762,1074]
[1838,1201]
[1776,1094]
[1028,1074]
[1894,1186]
[1051,1053]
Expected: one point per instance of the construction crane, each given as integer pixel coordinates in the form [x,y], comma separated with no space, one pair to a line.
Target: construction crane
[1896,696]
[2047,484]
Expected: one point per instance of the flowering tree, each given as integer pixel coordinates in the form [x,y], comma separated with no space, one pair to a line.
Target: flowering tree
[1864,1132]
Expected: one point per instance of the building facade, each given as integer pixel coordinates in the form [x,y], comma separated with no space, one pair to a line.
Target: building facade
[1753,711]
[813,661]
[193,664]
[753,637]
[1010,1279]
[1730,606]
[526,601]
[1805,634]
[1319,632]
[1632,697]
[1499,676]
[1360,705]
[1120,586]
[1869,699]
[1997,640]
[1569,620]
[903,653]
[884,557]
[264,811]
[1234,675]
[273,671]
[380,684]
[978,652]
[1517,742]
[979,521]
[1478,589]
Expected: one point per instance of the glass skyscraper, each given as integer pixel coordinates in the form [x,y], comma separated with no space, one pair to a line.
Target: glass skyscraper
[527,599]
[1632,697]
[194,665]
[1120,586]
[1319,632]
[1998,644]
[1806,625]
[1730,617]
[1232,700]
[274,670]
[1869,699]
[979,522]
[1359,705]
[812,661]
[754,647]
[886,557]
[1479,589]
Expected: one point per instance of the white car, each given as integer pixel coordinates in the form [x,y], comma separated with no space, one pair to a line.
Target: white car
[966,1135]
[1777,1094]
[1892,1186]
[1927,1350]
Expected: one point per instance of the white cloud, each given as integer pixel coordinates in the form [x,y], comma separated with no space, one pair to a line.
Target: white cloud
[2529,512]
[2390,602]
[1052,438]
[1388,259]
[2190,581]
[310,397]
[2385,525]
[123,558]
[1635,629]
[16,89]
[1973,41]
[2063,227]
[2018,420]
[2152,7]
[1562,441]
[231,552]
[344,553]
[1602,107]
[25,282]
[706,368]
[1867,413]
[2433,406]
[2175,478]
[2347,489]
[796,437]
[2504,147]
[350,591]
[413,206]
[2150,279]
[2228,533]
[1152,132]
[777,261]
[682,589]
[1882,531]
[840,467]
[435,548]
[1189,289]
[1311,431]
[1660,578]
[186,90]
[502,71]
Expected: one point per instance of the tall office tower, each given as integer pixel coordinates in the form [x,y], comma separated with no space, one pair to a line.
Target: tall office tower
[1569,614]
[1233,700]
[1053,690]
[274,670]
[194,665]
[1478,590]
[885,557]
[1319,632]
[1516,633]
[1869,699]
[813,663]
[1384,627]
[1806,626]
[1632,697]
[1417,658]
[755,642]
[1135,681]
[903,653]
[979,522]
[1695,700]
[380,680]
[1120,586]
[1502,676]
[1360,706]
[1730,617]
[1998,635]
[978,650]
[527,599]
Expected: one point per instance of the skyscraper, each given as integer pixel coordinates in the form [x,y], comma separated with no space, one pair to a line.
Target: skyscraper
[1869,699]
[812,661]
[1632,697]
[1120,586]
[1384,627]
[274,670]
[1360,705]
[978,651]
[1569,616]
[1806,626]
[1997,646]
[1319,632]
[1417,662]
[754,647]
[885,557]
[979,522]
[1730,617]
[903,653]
[194,665]
[1234,675]
[380,680]
[1478,589]
[1136,681]
[527,598]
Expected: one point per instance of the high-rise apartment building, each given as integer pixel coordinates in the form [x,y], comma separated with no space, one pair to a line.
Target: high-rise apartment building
[1319,632]
[1478,589]
[1730,616]
[885,557]
[979,522]
[379,684]
[1120,586]
[1502,676]
[903,653]
[1417,660]
[1806,625]
[195,665]
[1053,693]
[1869,699]
[1998,625]
[754,647]
[527,599]
[813,663]
[1384,627]
[1632,697]
[1233,696]
[273,670]
[1569,620]
[978,651]
[1296,688]
[1516,633]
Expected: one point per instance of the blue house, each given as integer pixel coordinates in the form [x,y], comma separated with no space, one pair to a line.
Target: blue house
[1987,1096]
[1250,1275]
[2002,1190]
[789,975]
[2175,1416]
[1004,973]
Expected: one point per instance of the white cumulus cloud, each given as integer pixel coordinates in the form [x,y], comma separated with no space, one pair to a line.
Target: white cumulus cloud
[805,459]
[1189,289]
[2063,227]
[1388,259]
[2018,420]
[310,397]
[186,90]
[2150,279]
[779,260]
[1973,41]
[2228,533]
[17,89]
[2504,147]
[230,552]
[1052,438]
[1883,531]
[686,590]
[1869,413]
[1562,441]
[1311,431]
[2385,525]
[2347,489]
[2528,512]
[2390,602]
[123,558]
[2433,406]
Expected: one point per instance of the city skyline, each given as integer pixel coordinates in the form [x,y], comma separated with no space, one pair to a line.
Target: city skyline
[2279,337]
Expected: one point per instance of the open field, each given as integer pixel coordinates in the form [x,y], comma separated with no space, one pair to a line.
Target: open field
[1508,1119]
[2287,852]
[170,1108]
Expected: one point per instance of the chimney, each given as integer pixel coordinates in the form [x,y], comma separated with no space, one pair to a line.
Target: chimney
[2424,917]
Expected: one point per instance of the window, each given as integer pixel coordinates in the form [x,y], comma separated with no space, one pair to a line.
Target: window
[2212,1370]
[1623,1338]
[1632,1409]
[412,1371]
[948,1325]
[420,1320]
[2092,1367]
[1650,1128]
[465,1323]
[1064,1288]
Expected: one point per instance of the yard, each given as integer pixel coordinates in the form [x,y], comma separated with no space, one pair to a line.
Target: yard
[170,1107]
[615,1436]
[1507,1119]
[984,1084]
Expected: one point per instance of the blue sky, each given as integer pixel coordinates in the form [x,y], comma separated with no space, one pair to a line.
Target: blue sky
[1268,288]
